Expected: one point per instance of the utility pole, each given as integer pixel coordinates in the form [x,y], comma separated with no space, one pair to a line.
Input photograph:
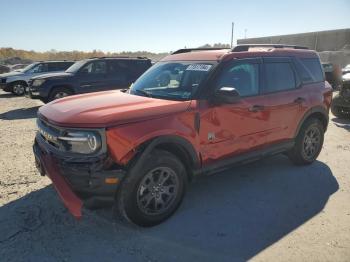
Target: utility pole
[233,25]
[245,33]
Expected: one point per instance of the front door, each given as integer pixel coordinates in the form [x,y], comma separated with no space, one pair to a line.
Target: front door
[93,77]
[229,129]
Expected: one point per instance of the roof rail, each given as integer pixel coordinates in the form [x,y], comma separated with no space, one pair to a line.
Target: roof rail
[103,57]
[97,57]
[187,50]
[245,47]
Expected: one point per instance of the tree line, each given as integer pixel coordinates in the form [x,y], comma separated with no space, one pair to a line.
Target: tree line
[7,54]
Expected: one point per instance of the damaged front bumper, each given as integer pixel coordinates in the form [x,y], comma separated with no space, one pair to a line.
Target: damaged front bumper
[83,181]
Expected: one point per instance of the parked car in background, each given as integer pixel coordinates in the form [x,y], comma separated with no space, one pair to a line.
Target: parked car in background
[17,81]
[196,111]
[346,69]
[4,69]
[89,75]
[17,67]
[341,101]
[333,75]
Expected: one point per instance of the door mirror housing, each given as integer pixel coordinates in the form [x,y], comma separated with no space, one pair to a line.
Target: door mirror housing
[226,95]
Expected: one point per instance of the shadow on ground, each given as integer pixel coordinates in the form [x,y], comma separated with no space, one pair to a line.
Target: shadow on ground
[20,113]
[230,216]
[342,122]
[7,95]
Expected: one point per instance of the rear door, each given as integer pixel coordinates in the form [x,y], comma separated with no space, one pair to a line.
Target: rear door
[284,97]
[118,76]
[92,77]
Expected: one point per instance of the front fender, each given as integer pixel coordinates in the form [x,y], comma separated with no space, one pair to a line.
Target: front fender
[124,141]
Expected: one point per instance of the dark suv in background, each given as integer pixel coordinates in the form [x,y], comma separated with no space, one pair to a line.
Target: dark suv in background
[16,81]
[89,75]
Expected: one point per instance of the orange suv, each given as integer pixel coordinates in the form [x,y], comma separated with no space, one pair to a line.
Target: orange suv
[197,111]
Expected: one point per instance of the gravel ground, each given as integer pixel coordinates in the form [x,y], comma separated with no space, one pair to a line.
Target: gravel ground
[265,211]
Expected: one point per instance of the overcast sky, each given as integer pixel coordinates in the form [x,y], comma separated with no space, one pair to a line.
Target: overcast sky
[155,25]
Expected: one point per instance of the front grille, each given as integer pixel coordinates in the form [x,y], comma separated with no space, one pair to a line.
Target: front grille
[3,80]
[49,133]
[30,82]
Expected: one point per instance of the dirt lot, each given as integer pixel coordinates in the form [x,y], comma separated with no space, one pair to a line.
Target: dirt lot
[266,211]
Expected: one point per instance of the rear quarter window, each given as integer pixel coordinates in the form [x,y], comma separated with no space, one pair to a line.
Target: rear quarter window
[279,76]
[310,70]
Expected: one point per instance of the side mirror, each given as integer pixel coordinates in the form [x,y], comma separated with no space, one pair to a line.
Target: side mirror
[226,95]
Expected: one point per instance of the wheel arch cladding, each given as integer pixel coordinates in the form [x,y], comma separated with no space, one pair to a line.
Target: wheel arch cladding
[19,81]
[63,86]
[178,146]
[319,113]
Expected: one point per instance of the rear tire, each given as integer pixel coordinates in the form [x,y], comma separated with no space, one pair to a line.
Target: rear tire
[308,143]
[59,93]
[151,193]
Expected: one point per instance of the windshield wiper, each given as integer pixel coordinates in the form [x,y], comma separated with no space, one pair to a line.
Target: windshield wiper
[144,92]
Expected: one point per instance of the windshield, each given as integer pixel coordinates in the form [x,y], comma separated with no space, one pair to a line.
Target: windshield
[76,66]
[172,80]
[27,68]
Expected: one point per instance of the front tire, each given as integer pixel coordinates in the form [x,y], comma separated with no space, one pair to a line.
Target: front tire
[18,89]
[152,192]
[59,93]
[308,143]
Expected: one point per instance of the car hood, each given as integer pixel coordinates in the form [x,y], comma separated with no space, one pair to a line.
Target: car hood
[13,73]
[53,75]
[346,77]
[109,108]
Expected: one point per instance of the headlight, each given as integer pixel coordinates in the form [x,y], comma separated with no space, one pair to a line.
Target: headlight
[38,82]
[83,142]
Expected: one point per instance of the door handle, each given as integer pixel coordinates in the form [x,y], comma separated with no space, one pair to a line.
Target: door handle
[256,108]
[299,100]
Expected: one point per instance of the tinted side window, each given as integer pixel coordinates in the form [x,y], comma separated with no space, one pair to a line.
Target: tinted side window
[142,65]
[314,67]
[119,70]
[310,70]
[61,66]
[279,76]
[242,76]
[40,68]
[95,68]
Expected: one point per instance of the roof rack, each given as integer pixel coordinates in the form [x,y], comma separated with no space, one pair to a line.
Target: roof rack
[243,48]
[187,50]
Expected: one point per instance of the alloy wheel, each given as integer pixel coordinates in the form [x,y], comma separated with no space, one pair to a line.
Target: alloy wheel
[60,95]
[157,191]
[18,89]
[312,142]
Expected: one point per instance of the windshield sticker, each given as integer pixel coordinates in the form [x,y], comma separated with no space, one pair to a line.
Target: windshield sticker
[198,67]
